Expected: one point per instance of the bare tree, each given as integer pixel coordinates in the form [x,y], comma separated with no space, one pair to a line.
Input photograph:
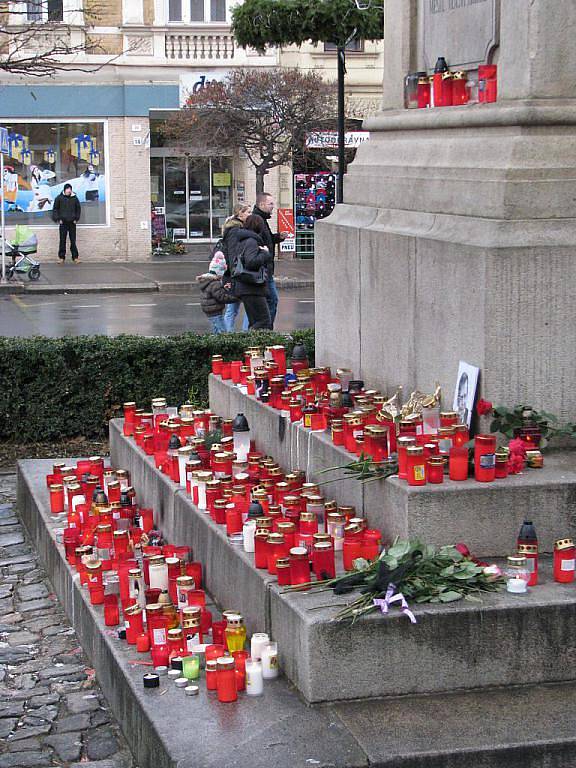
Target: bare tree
[265,113]
[37,37]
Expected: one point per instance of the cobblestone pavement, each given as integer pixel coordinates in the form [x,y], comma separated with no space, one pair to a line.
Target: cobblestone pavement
[52,711]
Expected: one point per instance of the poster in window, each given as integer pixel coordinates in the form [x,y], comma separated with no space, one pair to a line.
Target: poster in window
[41,158]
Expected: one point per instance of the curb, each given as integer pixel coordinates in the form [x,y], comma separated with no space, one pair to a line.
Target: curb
[287,283]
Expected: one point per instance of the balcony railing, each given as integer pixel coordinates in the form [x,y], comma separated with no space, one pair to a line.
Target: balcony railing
[200,46]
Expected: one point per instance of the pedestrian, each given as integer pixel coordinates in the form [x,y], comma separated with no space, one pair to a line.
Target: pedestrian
[214,295]
[66,212]
[263,208]
[249,260]
[240,213]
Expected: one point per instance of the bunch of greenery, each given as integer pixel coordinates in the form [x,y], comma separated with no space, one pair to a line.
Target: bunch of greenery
[421,572]
[507,420]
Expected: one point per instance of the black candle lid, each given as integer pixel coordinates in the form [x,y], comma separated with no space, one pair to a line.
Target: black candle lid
[151,680]
[240,424]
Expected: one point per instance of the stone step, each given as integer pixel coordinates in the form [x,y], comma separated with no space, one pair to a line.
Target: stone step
[513,727]
[486,516]
[505,640]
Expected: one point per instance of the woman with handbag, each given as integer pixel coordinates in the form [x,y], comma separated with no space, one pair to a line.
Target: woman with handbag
[248,260]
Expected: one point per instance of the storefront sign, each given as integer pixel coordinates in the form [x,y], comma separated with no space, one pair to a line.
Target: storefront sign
[194,82]
[158,224]
[329,139]
[4,140]
[286,226]
[221,179]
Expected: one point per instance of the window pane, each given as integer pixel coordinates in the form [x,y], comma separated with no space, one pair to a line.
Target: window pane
[34,10]
[42,157]
[196,10]
[55,10]
[218,10]
[174,10]
[353,45]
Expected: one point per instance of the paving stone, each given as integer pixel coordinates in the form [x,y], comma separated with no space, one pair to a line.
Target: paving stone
[30,745]
[6,606]
[8,528]
[33,576]
[73,723]
[28,732]
[9,621]
[60,670]
[33,592]
[20,568]
[11,539]
[96,764]
[101,744]
[16,550]
[7,725]
[102,717]
[39,690]
[43,700]
[22,638]
[5,590]
[14,560]
[26,760]
[14,655]
[25,681]
[35,605]
[53,631]
[8,522]
[49,712]
[66,745]
[82,702]
[12,709]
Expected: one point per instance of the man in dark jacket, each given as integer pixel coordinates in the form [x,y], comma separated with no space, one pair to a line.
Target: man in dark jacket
[66,212]
[263,208]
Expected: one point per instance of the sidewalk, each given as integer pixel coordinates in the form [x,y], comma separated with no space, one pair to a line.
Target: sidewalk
[140,277]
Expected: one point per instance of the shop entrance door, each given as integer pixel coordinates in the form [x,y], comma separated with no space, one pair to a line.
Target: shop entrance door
[196,193]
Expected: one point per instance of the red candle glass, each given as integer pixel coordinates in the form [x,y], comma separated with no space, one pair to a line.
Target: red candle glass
[323,563]
[226,679]
[403,443]
[415,465]
[564,555]
[435,470]
[299,566]
[458,463]
[56,499]
[111,611]
[485,458]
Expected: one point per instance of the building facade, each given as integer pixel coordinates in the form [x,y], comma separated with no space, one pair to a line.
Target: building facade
[96,123]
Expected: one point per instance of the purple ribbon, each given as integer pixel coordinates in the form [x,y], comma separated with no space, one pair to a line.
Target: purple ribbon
[385,603]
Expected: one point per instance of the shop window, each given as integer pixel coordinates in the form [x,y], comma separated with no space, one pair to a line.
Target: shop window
[174,10]
[45,10]
[43,157]
[218,10]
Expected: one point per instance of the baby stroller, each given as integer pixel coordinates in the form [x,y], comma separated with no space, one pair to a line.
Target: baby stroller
[21,249]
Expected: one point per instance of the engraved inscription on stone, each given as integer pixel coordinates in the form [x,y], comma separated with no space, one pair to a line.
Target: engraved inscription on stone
[463,31]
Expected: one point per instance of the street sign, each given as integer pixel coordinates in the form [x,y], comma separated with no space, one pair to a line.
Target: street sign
[286,225]
[329,139]
[4,147]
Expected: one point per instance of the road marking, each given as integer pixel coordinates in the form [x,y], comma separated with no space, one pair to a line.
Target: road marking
[193,304]
[19,303]
[86,306]
[142,305]
[305,301]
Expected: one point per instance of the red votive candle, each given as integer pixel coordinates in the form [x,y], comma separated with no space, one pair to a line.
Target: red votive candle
[226,679]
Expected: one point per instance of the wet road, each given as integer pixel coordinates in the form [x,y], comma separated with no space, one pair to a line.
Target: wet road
[146,314]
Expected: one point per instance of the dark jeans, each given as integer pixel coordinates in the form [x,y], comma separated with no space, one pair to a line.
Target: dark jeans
[272,300]
[67,227]
[257,311]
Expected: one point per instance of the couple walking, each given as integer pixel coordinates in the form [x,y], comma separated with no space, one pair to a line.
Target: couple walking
[241,272]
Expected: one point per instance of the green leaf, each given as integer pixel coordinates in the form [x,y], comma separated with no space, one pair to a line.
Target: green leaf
[399,549]
[449,597]
[447,571]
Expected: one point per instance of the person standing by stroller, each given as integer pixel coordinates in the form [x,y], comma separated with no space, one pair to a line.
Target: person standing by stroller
[66,212]
[214,295]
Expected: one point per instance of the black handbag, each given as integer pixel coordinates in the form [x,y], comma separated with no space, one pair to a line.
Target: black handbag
[248,276]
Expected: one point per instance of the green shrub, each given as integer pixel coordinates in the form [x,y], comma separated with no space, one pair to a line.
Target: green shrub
[60,388]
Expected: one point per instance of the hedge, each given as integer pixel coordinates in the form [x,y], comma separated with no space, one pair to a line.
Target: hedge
[70,387]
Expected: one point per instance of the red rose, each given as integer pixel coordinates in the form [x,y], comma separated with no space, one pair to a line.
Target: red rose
[515,463]
[517,447]
[483,407]
[463,549]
